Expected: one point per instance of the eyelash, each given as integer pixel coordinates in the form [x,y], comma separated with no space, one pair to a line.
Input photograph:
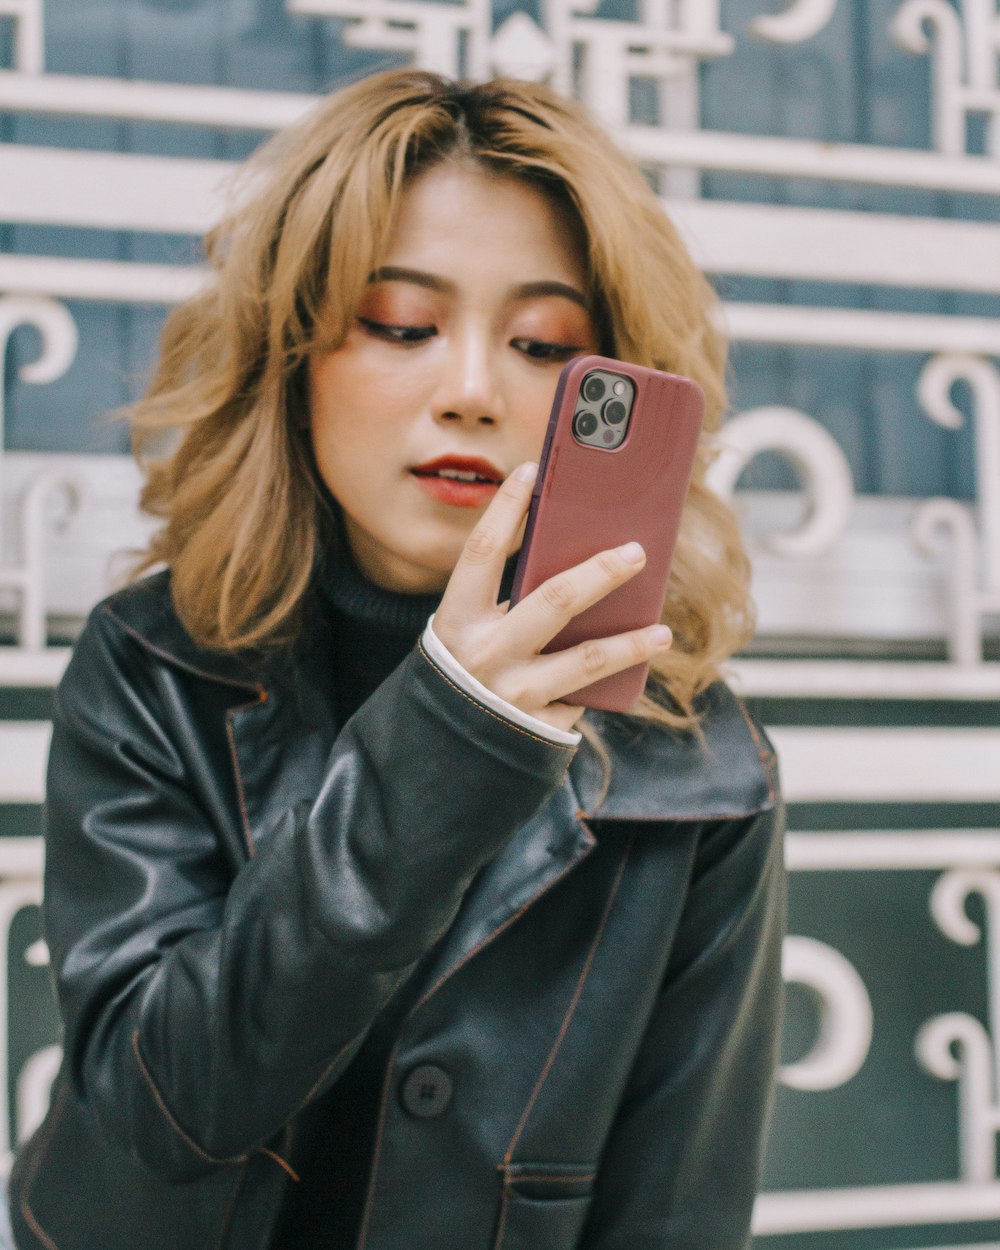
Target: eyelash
[534,349]
[537,349]
[397,334]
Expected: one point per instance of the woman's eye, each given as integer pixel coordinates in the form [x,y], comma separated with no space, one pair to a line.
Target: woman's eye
[397,334]
[537,349]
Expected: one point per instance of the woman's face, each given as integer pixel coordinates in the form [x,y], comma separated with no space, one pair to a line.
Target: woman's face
[444,382]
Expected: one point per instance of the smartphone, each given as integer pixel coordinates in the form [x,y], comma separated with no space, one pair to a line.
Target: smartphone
[615,467]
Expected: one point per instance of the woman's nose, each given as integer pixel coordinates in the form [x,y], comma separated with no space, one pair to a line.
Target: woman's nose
[468,390]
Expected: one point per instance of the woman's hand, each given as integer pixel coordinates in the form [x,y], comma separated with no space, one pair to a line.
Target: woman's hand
[502,648]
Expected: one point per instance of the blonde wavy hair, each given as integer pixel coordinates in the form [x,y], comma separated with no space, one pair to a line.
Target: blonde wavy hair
[288,267]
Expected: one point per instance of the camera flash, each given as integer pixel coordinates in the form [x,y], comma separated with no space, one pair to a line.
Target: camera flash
[619,388]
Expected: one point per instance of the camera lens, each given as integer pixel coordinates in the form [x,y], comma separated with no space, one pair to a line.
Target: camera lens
[585,424]
[615,412]
[593,388]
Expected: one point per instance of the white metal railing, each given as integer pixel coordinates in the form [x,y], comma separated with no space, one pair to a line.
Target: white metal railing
[122,191]
[778,157]
[953,1046]
[24,747]
[221,108]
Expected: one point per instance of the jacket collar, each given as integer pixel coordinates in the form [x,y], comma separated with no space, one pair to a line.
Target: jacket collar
[725,769]
[542,851]
[145,609]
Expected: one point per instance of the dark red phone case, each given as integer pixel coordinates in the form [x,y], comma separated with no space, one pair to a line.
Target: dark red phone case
[587,499]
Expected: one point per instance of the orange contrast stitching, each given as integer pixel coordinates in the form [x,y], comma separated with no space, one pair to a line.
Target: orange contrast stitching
[26,1210]
[502,1222]
[570,1178]
[36,1228]
[175,659]
[240,791]
[158,1098]
[483,708]
[261,694]
[377,1152]
[508,1189]
[764,755]
[327,1070]
[501,928]
[283,1164]
[571,1009]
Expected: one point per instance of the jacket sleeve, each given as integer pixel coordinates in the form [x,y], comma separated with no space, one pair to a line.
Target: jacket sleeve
[203,1007]
[682,1164]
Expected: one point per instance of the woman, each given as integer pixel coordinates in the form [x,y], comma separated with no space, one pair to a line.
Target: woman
[355,945]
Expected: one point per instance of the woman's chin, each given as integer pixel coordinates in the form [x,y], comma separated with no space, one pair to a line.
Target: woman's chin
[410,576]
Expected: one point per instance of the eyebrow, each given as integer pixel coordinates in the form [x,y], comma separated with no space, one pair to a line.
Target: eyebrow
[525,290]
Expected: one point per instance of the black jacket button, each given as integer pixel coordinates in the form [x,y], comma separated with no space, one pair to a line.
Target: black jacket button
[426,1091]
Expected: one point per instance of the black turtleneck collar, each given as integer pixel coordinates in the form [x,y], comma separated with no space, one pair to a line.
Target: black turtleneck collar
[347,591]
[370,629]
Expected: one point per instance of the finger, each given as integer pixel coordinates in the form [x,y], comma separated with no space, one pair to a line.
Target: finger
[537,618]
[560,674]
[475,582]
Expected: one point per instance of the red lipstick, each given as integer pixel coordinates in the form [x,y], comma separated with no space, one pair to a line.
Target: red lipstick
[462,481]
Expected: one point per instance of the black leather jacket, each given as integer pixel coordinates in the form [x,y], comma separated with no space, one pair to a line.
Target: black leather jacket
[233,889]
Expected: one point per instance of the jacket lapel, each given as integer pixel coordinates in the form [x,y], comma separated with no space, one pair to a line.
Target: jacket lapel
[542,851]
[281,746]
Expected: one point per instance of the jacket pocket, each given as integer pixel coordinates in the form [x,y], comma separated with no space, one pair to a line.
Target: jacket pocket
[543,1205]
[71,1188]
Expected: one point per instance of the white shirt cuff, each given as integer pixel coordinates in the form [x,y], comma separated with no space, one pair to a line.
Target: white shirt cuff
[441,656]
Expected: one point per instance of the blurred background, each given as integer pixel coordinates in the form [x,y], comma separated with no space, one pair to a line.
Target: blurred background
[835,168]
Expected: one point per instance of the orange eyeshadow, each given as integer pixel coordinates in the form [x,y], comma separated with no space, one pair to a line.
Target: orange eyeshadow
[396,306]
[554,325]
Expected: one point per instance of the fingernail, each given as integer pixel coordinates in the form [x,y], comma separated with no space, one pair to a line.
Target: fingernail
[660,636]
[632,552]
[526,472]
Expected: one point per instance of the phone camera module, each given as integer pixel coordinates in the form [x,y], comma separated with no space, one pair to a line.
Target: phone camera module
[603,409]
[593,388]
[585,424]
[614,412]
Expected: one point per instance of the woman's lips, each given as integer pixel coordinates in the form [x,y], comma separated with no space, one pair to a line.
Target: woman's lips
[462,481]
